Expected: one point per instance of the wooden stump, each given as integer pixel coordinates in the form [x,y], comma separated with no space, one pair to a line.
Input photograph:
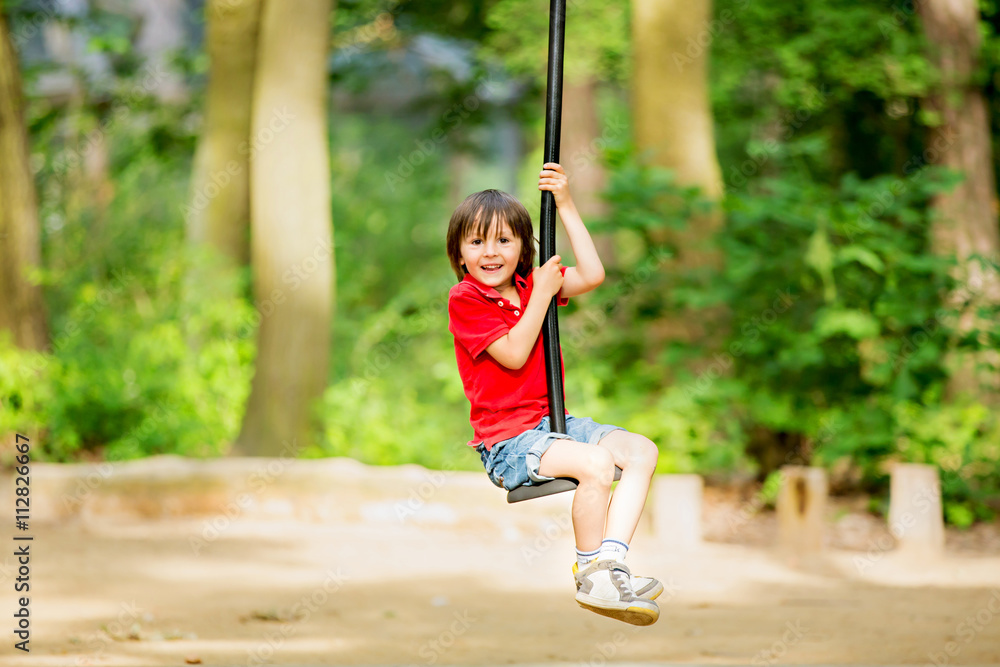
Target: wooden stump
[915,514]
[677,509]
[801,508]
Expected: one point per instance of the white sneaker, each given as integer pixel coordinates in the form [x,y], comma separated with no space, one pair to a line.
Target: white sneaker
[605,588]
[644,587]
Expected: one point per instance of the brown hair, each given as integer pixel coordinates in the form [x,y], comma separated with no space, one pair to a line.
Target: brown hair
[480,213]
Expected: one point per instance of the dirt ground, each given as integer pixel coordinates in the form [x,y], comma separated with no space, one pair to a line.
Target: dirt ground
[166,592]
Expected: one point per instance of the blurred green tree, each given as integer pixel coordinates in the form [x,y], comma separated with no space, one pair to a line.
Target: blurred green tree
[966,228]
[674,130]
[21,306]
[291,228]
[219,211]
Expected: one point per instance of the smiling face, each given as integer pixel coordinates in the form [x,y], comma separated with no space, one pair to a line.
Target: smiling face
[490,237]
[492,259]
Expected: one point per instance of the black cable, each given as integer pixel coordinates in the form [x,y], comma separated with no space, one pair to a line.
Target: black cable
[547,222]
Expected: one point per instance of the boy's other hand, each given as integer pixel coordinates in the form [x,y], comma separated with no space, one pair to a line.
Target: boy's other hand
[554,179]
[548,277]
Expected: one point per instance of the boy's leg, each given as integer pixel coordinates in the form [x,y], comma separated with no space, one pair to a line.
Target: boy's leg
[636,455]
[593,466]
[604,587]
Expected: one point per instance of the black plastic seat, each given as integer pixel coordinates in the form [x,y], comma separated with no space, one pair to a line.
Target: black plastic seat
[558,485]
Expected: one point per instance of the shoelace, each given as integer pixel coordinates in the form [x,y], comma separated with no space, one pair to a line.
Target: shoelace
[620,577]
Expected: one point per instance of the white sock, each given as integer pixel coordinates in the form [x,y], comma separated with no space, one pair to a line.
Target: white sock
[613,550]
[584,558]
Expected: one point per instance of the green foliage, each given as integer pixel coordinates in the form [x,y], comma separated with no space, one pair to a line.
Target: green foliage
[398,416]
[126,310]
[851,73]
[861,345]
[770,489]
[835,347]
[696,433]
[395,394]
[597,39]
[24,388]
[838,334]
[963,441]
[128,380]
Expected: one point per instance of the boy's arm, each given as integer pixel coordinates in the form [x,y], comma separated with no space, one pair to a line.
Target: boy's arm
[512,349]
[589,271]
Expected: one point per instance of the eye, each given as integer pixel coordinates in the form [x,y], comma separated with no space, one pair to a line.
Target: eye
[504,240]
[476,241]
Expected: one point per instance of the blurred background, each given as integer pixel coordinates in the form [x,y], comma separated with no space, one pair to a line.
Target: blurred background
[222,228]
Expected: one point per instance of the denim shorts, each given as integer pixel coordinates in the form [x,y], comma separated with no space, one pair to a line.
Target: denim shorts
[514,462]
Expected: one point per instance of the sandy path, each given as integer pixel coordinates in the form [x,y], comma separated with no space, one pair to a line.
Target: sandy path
[383,593]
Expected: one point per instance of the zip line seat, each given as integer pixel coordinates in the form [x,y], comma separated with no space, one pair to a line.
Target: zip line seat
[558,485]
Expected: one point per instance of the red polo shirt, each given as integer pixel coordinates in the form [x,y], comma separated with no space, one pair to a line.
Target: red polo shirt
[505,402]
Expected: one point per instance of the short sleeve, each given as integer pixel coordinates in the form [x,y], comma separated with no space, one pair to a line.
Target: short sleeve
[563,300]
[475,322]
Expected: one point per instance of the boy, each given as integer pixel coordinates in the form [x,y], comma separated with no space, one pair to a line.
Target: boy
[495,314]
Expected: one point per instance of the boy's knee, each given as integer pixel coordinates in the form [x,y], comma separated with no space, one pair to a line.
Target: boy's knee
[599,466]
[644,452]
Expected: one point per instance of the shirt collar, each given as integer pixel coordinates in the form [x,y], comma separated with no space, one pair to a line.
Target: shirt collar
[519,282]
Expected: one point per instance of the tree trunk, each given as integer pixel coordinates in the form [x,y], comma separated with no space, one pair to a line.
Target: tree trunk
[673,127]
[21,306]
[967,215]
[291,226]
[219,212]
